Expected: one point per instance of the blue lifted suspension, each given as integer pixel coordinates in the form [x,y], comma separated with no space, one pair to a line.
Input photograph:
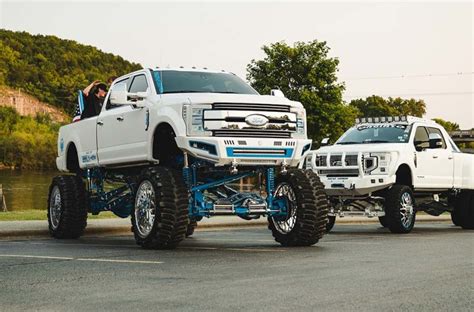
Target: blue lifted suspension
[214,196]
[118,200]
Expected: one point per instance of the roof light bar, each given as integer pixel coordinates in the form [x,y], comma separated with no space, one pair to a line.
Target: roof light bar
[385,119]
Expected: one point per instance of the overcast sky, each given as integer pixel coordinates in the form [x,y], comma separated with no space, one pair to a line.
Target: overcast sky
[422,50]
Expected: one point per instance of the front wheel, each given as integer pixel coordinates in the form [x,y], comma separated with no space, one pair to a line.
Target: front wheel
[400,209]
[160,216]
[307,209]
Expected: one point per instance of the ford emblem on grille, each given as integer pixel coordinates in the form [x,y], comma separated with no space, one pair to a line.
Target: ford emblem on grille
[256,120]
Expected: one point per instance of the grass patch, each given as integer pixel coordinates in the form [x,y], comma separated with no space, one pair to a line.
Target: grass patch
[28,215]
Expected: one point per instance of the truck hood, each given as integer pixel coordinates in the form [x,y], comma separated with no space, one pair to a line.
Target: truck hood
[208,98]
[354,148]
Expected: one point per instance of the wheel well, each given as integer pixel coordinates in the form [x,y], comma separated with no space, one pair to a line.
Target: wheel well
[404,175]
[165,148]
[72,160]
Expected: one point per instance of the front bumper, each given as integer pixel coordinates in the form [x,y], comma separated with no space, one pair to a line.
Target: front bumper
[244,151]
[356,186]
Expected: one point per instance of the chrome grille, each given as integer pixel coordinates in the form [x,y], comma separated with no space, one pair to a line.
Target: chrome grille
[351,160]
[251,133]
[321,161]
[335,160]
[251,107]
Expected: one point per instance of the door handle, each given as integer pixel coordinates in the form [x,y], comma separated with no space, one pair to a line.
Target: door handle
[100,123]
[450,157]
[435,156]
[120,118]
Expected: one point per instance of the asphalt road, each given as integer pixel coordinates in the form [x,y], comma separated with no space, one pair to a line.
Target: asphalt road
[355,268]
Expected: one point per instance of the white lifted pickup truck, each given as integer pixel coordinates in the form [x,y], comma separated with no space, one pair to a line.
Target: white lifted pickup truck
[171,145]
[392,167]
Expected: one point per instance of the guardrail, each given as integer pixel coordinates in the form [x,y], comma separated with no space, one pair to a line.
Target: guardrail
[462,136]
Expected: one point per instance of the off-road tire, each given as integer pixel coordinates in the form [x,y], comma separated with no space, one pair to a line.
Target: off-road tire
[383,221]
[393,208]
[311,209]
[191,227]
[464,210]
[171,216]
[455,216]
[330,224]
[73,207]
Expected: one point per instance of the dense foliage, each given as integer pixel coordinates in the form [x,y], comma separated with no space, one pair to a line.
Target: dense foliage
[27,142]
[53,69]
[376,106]
[305,73]
[448,125]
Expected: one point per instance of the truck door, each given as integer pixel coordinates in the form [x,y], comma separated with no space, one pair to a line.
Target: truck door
[122,130]
[443,172]
[433,166]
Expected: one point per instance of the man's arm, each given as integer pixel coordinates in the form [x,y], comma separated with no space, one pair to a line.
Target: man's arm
[89,87]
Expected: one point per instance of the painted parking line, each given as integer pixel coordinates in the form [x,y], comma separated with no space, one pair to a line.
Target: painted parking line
[250,249]
[82,259]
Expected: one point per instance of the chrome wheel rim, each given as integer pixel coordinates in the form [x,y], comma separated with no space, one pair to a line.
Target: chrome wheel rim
[55,207]
[145,209]
[286,226]
[407,210]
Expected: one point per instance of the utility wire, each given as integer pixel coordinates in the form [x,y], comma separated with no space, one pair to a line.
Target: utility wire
[408,76]
[411,94]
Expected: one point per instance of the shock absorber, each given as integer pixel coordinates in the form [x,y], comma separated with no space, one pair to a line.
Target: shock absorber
[270,183]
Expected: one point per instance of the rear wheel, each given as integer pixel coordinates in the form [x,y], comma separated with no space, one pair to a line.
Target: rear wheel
[307,205]
[67,207]
[191,227]
[160,216]
[330,224]
[463,212]
[400,209]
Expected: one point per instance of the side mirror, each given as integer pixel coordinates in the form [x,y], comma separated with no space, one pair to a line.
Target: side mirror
[136,99]
[276,92]
[436,141]
[118,94]
[325,142]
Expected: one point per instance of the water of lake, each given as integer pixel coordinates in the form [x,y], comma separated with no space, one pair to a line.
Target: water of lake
[26,190]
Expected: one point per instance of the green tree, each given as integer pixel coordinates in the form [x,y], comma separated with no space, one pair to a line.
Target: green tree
[448,125]
[304,72]
[376,106]
[53,69]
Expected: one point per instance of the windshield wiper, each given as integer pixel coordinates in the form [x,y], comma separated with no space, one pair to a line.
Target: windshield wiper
[186,91]
[349,143]
[377,141]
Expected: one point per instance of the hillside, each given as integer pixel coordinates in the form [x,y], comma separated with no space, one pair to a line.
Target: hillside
[53,69]
[27,105]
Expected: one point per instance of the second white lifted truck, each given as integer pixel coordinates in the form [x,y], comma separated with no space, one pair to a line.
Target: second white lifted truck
[392,167]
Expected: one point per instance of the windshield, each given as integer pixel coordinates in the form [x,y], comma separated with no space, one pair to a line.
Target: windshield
[376,133]
[177,81]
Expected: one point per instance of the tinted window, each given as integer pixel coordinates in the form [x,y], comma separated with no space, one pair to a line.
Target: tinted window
[376,133]
[421,138]
[435,130]
[176,81]
[139,84]
[110,105]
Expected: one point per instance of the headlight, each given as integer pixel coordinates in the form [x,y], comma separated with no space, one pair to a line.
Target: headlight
[193,116]
[376,163]
[300,123]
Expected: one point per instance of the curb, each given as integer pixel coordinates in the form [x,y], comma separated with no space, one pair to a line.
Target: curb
[118,226]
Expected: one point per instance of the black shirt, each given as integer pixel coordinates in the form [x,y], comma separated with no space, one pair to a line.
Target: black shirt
[92,106]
